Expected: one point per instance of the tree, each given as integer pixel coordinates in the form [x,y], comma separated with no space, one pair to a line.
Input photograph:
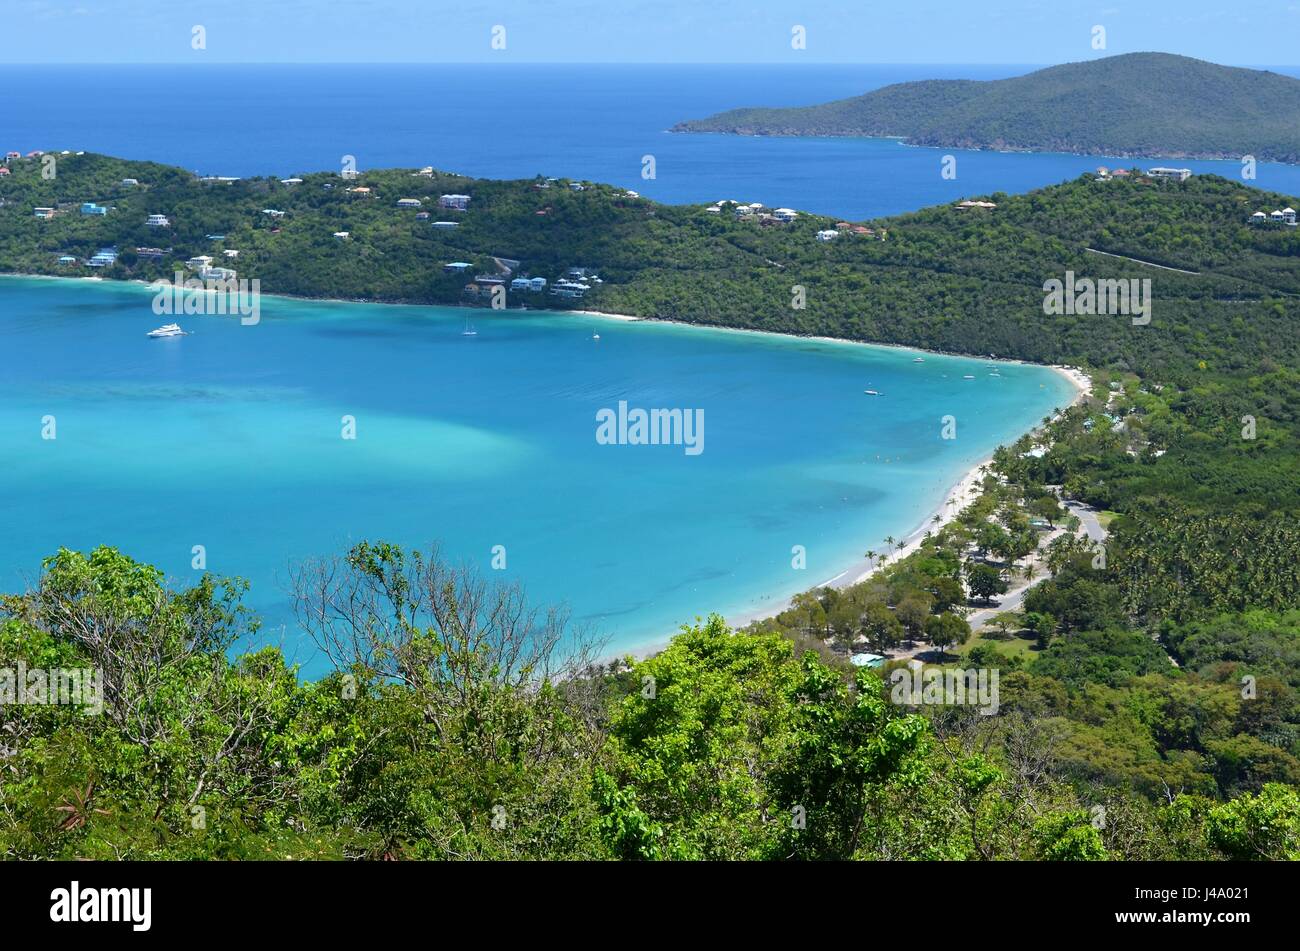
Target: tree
[1043,626]
[984,581]
[944,630]
[1048,508]
[1261,827]
[1006,620]
[882,626]
[946,591]
[912,613]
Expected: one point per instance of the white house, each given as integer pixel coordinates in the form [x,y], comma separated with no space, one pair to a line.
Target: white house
[342,235]
[828,235]
[1276,216]
[158,221]
[1258,218]
[199,263]
[785,214]
[1173,174]
[1288,215]
[459,202]
[273,212]
[408,203]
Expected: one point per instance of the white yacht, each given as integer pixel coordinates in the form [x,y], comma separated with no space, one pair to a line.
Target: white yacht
[167,330]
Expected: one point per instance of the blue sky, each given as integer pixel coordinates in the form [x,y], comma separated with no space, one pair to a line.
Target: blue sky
[1238,32]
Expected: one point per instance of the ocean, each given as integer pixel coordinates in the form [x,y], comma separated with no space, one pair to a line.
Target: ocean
[597,122]
[232,439]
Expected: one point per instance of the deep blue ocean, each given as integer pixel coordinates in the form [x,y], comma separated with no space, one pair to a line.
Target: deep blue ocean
[514,121]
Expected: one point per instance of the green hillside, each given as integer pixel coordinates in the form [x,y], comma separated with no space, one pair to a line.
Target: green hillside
[1160,686]
[1138,104]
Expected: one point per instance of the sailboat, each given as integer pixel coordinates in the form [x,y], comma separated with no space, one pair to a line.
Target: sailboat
[469,330]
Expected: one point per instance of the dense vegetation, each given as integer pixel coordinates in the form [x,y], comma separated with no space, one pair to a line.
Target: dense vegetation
[1159,685]
[1138,104]
[438,737]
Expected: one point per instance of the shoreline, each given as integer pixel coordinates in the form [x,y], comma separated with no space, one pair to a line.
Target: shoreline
[961,492]
[964,491]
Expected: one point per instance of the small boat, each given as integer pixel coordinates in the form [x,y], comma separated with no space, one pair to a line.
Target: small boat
[595,336]
[469,330]
[873,392]
[919,360]
[167,330]
[969,376]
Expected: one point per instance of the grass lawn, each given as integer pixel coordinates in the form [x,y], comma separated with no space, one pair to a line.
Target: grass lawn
[1022,644]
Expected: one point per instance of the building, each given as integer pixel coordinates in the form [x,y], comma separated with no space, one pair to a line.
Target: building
[458,202]
[130,182]
[104,258]
[408,203]
[3,170]
[785,214]
[150,254]
[422,216]
[199,263]
[158,221]
[827,235]
[231,253]
[1173,174]
[573,290]
[867,660]
[1288,215]
[90,208]
[1259,218]
[361,190]
[291,181]
[44,212]
[342,235]
[976,204]
[1276,216]
[445,225]
[67,259]
[456,267]
[273,212]
[216,274]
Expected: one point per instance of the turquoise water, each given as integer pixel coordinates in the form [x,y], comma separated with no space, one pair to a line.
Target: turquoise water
[231,438]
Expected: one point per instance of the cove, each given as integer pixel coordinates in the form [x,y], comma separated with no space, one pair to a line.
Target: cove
[231,438]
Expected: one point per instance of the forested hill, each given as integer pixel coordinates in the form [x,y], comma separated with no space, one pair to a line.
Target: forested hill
[949,278]
[1137,104]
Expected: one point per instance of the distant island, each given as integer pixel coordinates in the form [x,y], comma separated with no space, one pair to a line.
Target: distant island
[1137,104]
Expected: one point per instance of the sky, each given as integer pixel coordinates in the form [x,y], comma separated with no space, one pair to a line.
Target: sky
[1234,32]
